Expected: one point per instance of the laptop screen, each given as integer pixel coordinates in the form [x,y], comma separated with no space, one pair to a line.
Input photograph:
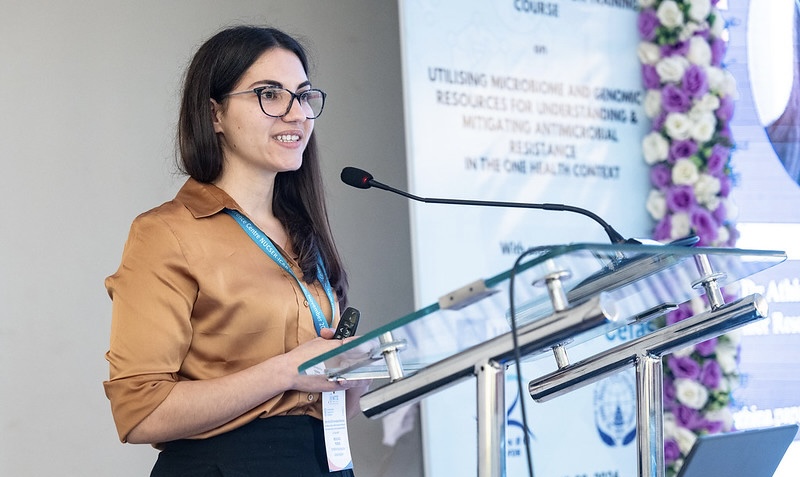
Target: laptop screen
[751,453]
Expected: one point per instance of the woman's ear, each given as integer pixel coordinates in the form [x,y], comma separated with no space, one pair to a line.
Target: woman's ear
[216,115]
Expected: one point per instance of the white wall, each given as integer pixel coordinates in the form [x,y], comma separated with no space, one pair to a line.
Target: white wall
[89,93]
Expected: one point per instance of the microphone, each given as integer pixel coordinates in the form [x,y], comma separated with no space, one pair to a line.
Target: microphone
[361,179]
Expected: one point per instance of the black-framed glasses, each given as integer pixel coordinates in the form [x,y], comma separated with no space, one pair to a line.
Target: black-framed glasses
[277,102]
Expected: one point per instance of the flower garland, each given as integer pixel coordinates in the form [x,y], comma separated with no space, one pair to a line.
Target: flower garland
[689,101]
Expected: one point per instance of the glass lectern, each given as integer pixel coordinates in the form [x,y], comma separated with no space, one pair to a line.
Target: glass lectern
[554,297]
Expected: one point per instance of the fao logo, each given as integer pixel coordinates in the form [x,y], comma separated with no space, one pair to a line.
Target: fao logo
[615,409]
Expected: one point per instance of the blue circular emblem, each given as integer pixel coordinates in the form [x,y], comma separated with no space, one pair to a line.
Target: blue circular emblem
[615,409]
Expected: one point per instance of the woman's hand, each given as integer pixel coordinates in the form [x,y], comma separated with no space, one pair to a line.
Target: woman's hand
[307,351]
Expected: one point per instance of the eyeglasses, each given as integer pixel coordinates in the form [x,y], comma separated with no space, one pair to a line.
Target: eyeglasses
[277,102]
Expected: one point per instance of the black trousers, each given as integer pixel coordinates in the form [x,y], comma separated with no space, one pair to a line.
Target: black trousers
[280,446]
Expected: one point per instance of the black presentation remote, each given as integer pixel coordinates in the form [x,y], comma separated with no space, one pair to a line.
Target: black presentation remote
[347,323]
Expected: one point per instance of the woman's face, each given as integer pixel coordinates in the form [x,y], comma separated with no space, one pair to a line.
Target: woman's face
[250,139]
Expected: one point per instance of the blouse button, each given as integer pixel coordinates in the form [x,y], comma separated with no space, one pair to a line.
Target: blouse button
[310,397]
[305,303]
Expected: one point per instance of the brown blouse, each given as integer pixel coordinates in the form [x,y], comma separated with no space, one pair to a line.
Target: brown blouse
[195,298]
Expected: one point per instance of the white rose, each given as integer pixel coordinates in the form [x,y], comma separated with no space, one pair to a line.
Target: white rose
[672,68]
[678,126]
[724,415]
[652,103]
[669,14]
[679,225]
[685,172]
[689,30]
[703,127]
[726,357]
[699,51]
[707,186]
[699,9]
[670,425]
[722,235]
[655,148]
[656,204]
[698,305]
[707,104]
[646,3]
[690,393]
[734,337]
[685,439]
[717,26]
[721,82]
[684,352]
[716,79]
[649,53]
[711,202]
[729,84]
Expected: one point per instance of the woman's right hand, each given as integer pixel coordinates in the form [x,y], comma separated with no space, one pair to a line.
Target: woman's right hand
[307,351]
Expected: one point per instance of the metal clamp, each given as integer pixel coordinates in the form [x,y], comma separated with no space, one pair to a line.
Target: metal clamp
[708,280]
[558,297]
[389,351]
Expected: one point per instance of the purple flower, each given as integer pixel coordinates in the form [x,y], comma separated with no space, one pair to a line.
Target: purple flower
[671,451]
[725,110]
[648,23]
[711,374]
[733,236]
[680,198]
[669,393]
[675,100]
[720,215]
[650,77]
[683,311]
[704,224]
[704,33]
[688,417]
[663,229]
[706,348]
[679,48]
[660,175]
[712,426]
[724,131]
[724,186]
[681,149]
[717,159]
[683,367]
[695,82]
[658,122]
[717,51]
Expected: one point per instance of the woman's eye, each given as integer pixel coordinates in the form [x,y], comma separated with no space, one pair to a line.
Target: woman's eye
[270,95]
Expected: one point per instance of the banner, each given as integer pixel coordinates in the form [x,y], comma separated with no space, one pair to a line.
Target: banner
[523,101]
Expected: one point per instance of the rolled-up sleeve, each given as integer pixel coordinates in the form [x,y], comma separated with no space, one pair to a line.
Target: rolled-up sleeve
[152,294]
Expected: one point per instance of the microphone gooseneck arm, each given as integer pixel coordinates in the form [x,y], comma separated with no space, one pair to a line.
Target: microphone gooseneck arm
[363,180]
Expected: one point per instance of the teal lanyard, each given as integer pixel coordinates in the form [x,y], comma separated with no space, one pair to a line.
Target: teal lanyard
[261,239]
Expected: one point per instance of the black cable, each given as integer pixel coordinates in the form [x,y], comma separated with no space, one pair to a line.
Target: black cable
[517,356]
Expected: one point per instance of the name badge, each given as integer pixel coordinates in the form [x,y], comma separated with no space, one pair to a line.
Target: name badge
[334,421]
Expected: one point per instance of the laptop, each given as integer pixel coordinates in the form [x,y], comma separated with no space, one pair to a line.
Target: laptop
[748,453]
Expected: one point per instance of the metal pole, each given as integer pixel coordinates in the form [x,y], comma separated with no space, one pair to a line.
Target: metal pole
[650,416]
[491,419]
[390,356]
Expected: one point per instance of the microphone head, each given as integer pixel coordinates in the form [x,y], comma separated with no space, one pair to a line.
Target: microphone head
[355,177]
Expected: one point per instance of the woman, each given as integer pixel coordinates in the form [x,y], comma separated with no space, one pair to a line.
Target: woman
[210,321]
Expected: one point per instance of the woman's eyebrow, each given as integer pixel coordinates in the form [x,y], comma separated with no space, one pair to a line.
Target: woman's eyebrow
[278,84]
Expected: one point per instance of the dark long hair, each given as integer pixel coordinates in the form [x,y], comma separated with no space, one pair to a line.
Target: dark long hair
[298,199]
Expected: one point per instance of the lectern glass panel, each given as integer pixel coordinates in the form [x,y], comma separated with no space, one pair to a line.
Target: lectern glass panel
[619,285]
